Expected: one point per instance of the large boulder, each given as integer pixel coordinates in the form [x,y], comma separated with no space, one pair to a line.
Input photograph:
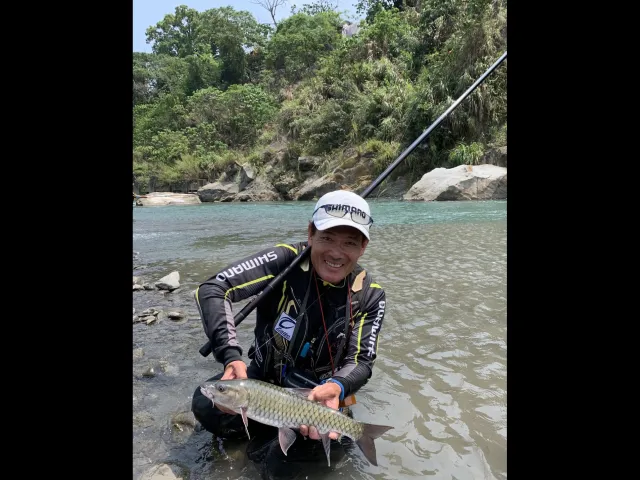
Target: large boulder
[464,182]
[259,190]
[246,175]
[218,192]
[316,187]
[284,183]
[155,199]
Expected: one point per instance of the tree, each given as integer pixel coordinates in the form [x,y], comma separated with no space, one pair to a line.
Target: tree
[318,6]
[214,43]
[271,6]
[372,7]
[176,34]
[300,42]
[221,87]
[230,35]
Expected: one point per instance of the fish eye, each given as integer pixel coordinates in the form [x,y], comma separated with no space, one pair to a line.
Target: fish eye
[221,388]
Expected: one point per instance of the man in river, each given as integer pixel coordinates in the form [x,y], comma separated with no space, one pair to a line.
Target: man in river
[319,329]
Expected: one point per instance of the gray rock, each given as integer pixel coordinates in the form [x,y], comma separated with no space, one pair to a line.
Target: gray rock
[464,182]
[316,187]
[218,191]
[143,419]
[246,175]
[185,419]
[260,190]
[164,472]
[169,282]
[155,199]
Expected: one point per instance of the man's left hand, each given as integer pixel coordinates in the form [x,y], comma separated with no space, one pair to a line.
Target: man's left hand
[329,395]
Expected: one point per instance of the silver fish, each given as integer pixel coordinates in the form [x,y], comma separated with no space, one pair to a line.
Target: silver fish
[287,409]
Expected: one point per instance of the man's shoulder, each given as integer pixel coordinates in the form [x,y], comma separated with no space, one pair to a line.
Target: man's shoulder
[291,247]
[288,251]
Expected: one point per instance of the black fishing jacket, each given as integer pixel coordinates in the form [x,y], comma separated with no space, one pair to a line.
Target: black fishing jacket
[289,330]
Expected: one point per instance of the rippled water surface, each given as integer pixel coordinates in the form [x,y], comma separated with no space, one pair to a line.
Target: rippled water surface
[440,378]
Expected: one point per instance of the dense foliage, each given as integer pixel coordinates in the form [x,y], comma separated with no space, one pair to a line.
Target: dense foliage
[219,87]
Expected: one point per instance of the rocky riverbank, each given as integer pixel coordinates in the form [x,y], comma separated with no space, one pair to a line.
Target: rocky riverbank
[242,184]
[168,442]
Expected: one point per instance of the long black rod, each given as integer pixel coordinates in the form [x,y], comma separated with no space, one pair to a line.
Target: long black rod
[424,135]
[255,301]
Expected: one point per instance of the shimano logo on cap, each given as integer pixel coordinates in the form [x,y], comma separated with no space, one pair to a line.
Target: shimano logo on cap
[345,208]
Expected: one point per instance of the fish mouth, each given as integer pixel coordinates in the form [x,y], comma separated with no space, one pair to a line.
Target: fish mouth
[206,392]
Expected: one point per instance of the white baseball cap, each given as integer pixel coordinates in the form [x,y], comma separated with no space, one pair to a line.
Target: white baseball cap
[342,208]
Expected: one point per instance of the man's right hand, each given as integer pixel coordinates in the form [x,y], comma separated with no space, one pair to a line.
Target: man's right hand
[234,370]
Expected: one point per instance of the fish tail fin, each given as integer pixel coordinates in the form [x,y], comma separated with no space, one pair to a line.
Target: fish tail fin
[365,442]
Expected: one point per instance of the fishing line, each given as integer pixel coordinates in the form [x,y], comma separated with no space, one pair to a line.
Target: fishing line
[273,335]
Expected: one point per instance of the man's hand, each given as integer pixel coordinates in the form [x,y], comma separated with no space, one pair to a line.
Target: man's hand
[329,394]
[234,370]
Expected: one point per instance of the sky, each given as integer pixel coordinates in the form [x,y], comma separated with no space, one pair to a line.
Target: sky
[149,12]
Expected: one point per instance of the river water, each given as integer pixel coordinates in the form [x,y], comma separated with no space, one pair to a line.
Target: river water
[440,377]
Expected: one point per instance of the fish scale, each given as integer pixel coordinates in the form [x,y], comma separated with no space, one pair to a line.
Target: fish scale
[279,407]
[288,409]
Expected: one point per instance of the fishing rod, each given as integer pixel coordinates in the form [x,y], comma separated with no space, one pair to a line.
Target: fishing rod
[205,350]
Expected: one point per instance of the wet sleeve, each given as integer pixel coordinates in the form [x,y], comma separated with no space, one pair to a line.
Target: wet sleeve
[357,366]
[238,281]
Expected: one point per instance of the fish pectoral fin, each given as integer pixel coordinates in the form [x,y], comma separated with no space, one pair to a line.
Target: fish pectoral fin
[326,443]
[286,436]
[243,412]
[302,392]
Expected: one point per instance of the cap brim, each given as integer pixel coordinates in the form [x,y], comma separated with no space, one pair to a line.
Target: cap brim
[327,223]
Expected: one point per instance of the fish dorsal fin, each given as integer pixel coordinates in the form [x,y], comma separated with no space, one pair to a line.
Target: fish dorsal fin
[301,392]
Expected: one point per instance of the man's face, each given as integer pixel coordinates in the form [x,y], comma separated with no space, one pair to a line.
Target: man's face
[336,251]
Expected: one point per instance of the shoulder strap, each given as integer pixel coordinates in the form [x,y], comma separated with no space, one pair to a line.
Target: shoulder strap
[301,315]
[356,288]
